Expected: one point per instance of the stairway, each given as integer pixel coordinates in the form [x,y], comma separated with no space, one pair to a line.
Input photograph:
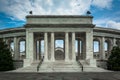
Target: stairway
[88,68]
[32,68]
[60,66]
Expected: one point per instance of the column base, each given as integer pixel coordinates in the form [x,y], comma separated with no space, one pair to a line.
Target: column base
[67,60]
[91,62]
[52,60]
[27,62]
[46,60]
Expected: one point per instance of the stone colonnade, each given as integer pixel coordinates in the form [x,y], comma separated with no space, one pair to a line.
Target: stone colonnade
[16,54]
[69,44]
[102,54]
[101,40]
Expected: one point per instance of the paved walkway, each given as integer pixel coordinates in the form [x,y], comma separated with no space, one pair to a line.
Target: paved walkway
[60,76]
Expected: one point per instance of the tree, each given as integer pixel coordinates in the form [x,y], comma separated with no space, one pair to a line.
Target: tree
[113,62]
[6,62]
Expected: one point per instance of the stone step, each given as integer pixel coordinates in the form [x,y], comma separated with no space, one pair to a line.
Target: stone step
[60,66]
[60,70]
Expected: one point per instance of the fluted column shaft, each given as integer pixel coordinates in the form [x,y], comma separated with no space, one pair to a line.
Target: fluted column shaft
[66,46]
[73,47]
[45,46]
[102,48]
[52,47]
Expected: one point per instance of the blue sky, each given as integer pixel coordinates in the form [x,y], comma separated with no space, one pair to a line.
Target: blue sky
[106,12]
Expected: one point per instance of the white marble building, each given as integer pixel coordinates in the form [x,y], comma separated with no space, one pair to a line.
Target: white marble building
[70,29]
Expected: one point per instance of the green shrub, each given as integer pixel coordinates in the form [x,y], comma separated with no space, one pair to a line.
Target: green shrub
[6,62]
[113,62]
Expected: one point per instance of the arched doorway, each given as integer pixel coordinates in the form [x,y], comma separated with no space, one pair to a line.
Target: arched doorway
[59,50]
[59,53]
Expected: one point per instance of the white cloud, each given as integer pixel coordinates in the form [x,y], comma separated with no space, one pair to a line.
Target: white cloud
[49,2]
[18,9]
[59,43]
[101,22]
[107,22]
[102,3]
[113,24]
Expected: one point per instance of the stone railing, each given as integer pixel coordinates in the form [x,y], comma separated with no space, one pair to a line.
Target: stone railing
[81,66]
[40,64]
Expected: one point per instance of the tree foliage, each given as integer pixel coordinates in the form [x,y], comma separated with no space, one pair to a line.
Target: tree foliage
[6,62]
[113,62]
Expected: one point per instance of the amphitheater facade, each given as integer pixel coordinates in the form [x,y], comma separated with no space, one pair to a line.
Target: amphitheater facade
[72,30]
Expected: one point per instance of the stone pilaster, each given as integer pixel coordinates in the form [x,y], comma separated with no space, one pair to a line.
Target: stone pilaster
[66,46]
[29,49]
[89,49]
[89,45]
[52,47]
[45,46]
[16,49]
[73,47]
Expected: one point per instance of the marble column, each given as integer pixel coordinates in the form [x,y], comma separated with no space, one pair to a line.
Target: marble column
[45,46]
[114,42]
[70,46]
[66,46]
[83,50]
[16,50]
[4,40]
[110,46]
[49,46]
[73,47]
[52,47]
[102,48]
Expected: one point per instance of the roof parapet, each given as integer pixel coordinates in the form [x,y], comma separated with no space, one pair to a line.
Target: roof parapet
[58,19]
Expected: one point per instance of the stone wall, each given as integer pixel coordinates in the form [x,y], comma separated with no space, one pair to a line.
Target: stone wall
[102,63]
[18,64]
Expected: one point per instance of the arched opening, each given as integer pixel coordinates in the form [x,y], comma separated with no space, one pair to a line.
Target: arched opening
[96,49]
[11,47]
[59,50]
[22,49]
[106,48]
